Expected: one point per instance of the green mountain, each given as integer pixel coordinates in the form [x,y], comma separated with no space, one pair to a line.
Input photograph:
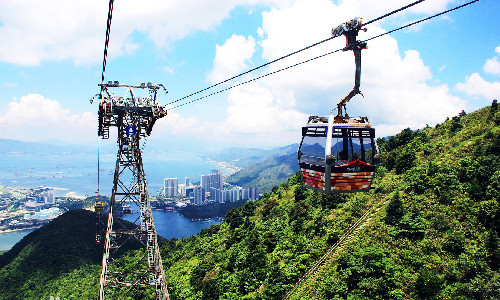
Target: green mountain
[63,250]
[266,174]
[244,157]
[428,230]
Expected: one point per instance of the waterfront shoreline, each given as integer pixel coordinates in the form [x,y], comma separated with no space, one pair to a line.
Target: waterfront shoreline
[20,229]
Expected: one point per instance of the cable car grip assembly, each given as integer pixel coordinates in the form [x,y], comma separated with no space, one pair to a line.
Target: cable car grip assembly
[350,30]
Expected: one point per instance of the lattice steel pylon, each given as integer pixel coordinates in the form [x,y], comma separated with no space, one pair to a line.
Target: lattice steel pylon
[134,117]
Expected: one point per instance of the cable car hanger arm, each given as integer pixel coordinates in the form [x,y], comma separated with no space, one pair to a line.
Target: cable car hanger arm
[350,30]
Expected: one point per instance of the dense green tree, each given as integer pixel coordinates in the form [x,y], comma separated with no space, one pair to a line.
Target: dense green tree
[405,160]
[493,250]
[395,210]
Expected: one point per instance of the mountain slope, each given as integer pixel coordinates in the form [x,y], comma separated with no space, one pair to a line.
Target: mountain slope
[433,230]
[266,174]
[64,247]
[435,236]
[244,157]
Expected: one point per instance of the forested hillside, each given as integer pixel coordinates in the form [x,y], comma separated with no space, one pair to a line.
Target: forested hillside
[431,231]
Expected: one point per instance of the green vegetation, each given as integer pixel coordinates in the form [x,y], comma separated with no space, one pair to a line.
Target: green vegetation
[211,210]
[30,267]
[73,204]
[433,232]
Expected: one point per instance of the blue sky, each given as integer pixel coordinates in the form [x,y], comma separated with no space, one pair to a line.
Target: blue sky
[51,61]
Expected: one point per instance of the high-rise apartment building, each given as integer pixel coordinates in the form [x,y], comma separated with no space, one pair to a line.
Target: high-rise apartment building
[199,195]
[171,187]
[214,180]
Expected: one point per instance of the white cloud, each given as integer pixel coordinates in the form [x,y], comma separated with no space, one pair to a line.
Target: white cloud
[256,109]
[34,31]
[497,49]
[442,68]
[492,66]
[168,70]
[232,57]
[397,89]
[475,85]
[34,116]
[271,111]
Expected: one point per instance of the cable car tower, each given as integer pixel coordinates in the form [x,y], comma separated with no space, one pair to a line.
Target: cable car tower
[134,118]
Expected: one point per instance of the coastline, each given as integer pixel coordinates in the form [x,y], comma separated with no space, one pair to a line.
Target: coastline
[20,229]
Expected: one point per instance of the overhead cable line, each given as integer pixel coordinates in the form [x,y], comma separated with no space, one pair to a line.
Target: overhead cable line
[422,20]
[248,81]
[108,29]
[249,71]
[311,59]
[290,54]
[393,12]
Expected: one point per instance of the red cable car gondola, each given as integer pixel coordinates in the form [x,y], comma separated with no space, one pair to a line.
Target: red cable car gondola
[328,143]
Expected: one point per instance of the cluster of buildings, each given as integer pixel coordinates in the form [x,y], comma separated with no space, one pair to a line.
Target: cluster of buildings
[40,198]
[44,214]
[210,189]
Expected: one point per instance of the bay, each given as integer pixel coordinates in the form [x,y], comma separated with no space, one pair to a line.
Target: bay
[78,174]
[9,239]
[172,225]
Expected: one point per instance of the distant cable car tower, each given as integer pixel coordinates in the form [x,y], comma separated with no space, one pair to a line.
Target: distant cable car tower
[134,118]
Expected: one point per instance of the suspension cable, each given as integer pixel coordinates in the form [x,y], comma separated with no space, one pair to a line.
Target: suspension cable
[422,20]
[249,71]
[303,62]
[257,78]
[288,55]
[108,29]
[393,12]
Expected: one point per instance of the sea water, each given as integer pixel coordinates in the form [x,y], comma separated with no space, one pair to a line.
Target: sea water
[9,239]
[78,174]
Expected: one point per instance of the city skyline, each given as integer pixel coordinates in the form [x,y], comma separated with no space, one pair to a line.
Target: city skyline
[210,189]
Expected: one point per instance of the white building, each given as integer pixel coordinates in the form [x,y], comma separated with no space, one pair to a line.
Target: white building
[171,187]
[199,195]
[214,180]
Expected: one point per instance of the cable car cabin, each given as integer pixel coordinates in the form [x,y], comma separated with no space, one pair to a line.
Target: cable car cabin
[98,206]
[330,142]
[126,209]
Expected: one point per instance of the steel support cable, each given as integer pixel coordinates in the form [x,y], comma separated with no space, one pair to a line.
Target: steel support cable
[248,81]
[249,71]
[256,78]
[393,12]
[108,30]
[288,55]
[422,20]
